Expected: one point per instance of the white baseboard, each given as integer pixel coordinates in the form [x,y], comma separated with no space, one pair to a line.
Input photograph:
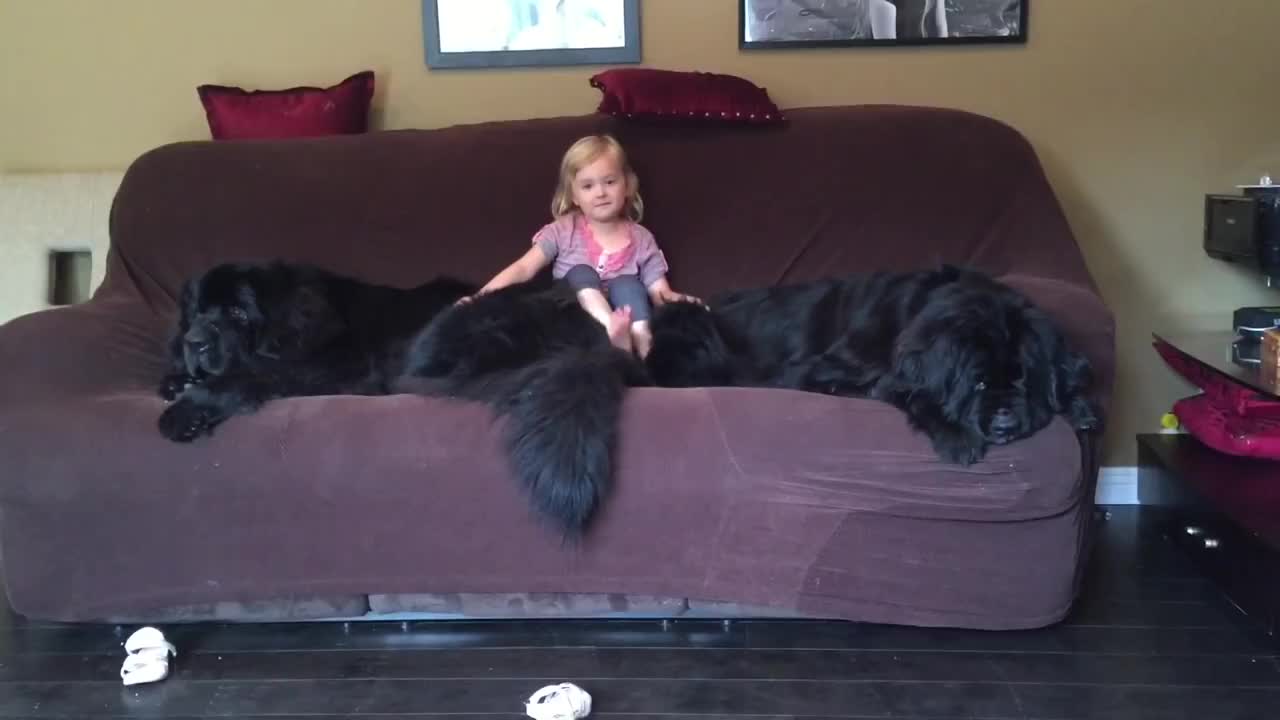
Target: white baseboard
[1117,485]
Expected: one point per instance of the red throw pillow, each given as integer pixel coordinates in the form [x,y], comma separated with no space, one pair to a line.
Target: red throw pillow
[671,94]
[235,113]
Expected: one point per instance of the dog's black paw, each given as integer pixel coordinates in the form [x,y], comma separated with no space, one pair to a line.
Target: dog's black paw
[958,447]
[187,420]
[174,385]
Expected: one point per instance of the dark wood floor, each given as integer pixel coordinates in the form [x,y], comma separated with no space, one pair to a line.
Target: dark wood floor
[1149,639]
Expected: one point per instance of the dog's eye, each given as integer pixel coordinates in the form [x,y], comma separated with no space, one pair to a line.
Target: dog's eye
[980,386]
[239,315]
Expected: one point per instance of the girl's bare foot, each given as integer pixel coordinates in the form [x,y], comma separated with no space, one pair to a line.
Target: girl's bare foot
[641,338]
[619,328]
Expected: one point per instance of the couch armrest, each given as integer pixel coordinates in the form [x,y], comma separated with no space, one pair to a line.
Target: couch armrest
[101,346]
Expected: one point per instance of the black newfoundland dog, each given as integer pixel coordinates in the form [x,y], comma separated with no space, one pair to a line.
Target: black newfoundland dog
[970,361]
[248,333]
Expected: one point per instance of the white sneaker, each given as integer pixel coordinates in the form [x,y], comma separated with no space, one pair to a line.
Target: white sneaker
[565,701]
[148,659]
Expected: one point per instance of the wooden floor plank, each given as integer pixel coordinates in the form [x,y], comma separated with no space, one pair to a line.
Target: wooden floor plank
[620,663]
[783,634]
[694,697]
[1058,639]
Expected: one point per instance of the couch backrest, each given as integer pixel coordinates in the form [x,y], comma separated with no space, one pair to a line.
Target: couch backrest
[835,190]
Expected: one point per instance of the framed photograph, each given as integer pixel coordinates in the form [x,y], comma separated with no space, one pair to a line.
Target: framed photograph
[513,33]
[838,23]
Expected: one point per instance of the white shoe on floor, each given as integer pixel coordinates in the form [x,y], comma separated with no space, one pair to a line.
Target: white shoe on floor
[565,701]
[148,659]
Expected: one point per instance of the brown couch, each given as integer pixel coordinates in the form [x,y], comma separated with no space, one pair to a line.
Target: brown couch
[727,501]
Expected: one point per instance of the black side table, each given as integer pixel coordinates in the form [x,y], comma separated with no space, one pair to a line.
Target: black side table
[1224,511]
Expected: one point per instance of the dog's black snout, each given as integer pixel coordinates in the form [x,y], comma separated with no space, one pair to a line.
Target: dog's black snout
[198,341]
[1003,420]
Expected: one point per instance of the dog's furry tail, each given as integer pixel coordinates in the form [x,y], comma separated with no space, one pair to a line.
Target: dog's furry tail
[561,427]
[562,430]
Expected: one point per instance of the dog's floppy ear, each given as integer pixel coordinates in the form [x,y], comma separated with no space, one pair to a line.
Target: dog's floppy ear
[910,362]
[1065,377]
[187,301]
[303,320]
[925,356]
[1072,378]
[931,350]
[186,307]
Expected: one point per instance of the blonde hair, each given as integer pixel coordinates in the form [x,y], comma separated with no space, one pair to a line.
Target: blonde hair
[582,153]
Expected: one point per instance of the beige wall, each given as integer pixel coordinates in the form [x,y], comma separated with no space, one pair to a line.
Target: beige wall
[1138,107]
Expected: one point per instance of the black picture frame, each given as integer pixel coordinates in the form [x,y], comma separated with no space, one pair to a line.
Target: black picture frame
[968,34]
[436,59]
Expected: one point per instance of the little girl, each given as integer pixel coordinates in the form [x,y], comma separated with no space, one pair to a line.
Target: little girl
[599,246]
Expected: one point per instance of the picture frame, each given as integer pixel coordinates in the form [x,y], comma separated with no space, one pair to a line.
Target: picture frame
[530,33]
[782,24]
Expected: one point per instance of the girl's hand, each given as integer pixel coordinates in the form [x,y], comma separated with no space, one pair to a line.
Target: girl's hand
[667,295]
[661,294]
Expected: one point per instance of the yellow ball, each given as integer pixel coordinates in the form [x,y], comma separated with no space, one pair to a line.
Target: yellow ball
[1169,421]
